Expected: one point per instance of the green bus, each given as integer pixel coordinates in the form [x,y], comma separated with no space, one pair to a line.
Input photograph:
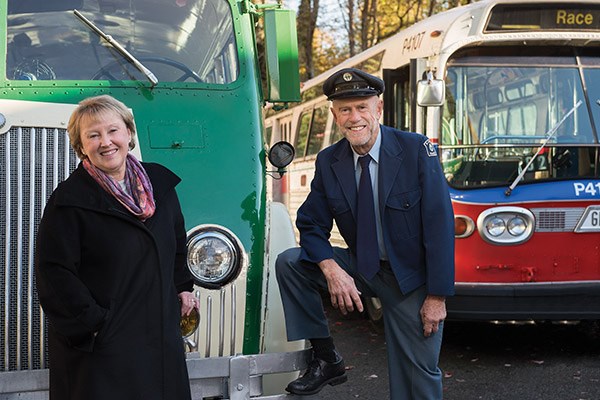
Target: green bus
[190,72]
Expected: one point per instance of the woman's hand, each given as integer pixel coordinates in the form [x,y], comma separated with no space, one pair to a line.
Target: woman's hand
[188,303]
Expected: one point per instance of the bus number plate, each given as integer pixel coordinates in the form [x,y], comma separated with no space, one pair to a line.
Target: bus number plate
[590,221]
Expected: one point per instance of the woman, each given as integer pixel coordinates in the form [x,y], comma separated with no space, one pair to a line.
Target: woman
[110,268]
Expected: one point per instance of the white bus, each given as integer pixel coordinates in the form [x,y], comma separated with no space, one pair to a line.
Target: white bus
[509,93]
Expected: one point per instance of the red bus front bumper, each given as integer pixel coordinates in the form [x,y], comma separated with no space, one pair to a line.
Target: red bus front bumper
[526,301]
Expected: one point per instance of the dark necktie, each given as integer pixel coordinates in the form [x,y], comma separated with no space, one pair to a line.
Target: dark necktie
[367,249]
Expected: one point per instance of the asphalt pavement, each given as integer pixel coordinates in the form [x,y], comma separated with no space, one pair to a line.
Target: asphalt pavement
[479,361]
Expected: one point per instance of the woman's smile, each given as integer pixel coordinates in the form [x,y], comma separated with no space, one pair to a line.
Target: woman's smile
[105,141]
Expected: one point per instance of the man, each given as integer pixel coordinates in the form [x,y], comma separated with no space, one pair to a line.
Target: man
[401,250]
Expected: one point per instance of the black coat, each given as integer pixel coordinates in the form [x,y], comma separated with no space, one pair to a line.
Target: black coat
[108,284]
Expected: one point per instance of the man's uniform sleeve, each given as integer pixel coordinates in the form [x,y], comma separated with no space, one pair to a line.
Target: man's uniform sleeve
[438,223]
[315,221]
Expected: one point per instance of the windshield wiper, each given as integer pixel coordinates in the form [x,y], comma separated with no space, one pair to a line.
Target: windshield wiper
[120,49]
[550,134]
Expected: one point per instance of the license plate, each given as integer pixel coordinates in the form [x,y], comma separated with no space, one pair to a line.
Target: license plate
[590,221]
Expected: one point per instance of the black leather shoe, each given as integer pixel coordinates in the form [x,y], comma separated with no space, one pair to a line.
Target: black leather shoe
[319,374]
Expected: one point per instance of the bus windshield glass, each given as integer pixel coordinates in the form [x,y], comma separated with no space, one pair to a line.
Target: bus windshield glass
[177,40]
[500,109]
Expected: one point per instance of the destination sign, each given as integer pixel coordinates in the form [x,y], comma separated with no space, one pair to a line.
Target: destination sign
[543,16]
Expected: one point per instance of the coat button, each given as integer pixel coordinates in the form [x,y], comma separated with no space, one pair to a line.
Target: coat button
[406,205]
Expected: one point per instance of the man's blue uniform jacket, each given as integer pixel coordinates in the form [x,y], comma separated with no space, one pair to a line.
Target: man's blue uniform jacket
[415,208]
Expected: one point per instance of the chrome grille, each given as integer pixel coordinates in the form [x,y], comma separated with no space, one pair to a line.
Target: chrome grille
[32,163]
[556,219]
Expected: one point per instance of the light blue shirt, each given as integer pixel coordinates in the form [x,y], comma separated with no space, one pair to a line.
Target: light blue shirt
[374,170]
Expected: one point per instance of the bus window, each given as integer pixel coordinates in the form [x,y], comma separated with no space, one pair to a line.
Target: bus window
[268,134]
[503,107]
[521,119]
[593,75]
[508,113]
[302,134]
[286,130]
[317,130]
[60,47]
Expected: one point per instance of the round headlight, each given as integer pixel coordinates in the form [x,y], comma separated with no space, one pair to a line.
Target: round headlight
[215,255]
[517,226]
[495,226]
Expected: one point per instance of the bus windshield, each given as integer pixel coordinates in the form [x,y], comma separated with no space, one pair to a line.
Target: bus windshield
[177,40]
[500,108]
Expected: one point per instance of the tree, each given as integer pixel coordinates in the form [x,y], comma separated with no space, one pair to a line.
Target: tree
[348,22]
[368,24]
[363,23]
[307,23]
[328,53]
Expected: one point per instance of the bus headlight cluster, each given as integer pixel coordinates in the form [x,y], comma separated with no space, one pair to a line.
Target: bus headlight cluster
[215,255]
[506,225]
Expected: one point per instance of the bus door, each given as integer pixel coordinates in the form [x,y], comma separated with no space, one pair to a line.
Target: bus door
[397,109]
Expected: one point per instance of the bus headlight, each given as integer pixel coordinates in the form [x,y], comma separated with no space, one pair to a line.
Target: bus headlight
[495,226]
[215,255]
[506,225]
[517,226]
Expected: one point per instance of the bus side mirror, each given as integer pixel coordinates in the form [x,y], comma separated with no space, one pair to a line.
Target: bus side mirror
[281,45]
[281,154]
[431,92]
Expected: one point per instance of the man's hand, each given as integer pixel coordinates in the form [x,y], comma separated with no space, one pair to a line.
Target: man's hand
[433,312]
[343,291]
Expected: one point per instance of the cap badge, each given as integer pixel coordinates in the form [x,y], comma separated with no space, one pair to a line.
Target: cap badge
[347,76]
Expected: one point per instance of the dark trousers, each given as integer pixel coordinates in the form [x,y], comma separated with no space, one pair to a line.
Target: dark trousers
[412,358]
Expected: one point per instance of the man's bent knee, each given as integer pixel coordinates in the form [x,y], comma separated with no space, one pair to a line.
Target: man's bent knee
[285,260]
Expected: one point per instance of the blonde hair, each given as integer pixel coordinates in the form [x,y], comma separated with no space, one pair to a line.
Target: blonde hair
[93,108]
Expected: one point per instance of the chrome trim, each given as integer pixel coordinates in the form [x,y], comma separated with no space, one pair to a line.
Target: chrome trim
[580,228]
[505,213]
[33,161]
[208,326]
[49,115]
[233,318]
[7,296]
[222,324]
[236,377]
[216,332]
[241,376]
[231,240]
[557,219]
[470,226]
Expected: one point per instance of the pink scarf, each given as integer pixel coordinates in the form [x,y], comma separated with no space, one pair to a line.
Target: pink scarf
[141,200]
